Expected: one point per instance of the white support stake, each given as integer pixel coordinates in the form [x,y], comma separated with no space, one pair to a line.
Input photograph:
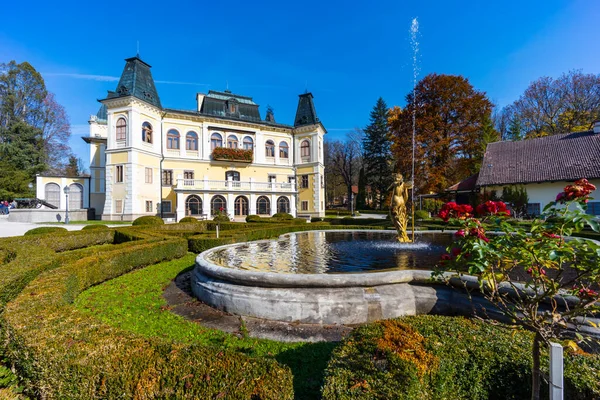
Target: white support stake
[556,372]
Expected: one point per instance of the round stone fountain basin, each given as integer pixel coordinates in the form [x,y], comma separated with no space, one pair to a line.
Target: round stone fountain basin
[323,298]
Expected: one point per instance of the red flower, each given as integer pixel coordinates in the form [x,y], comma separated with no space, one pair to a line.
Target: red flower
[551,235]
[581,189]
[453,210]
[492,208]
[456,251]
[460,233]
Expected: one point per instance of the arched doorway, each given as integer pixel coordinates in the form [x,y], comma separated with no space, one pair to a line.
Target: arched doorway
[193,205]
[75,196]
[218,205]
[263,206]
[241,206]
[52,194]
[283,205]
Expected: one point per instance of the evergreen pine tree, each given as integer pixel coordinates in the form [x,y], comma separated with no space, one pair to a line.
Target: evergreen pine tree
[378,152]
[361,197]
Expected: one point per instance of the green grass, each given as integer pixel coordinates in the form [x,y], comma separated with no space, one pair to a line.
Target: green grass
[134,302]
[90,222]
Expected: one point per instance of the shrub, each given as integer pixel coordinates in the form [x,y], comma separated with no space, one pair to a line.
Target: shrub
[253,218]
[45,229]
[148,220]
[317,219]
[89,227]
[422,214]
[221,218]
[185,220]
[283,216]
[444,357]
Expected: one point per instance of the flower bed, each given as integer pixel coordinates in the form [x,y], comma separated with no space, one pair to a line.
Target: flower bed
[227,154]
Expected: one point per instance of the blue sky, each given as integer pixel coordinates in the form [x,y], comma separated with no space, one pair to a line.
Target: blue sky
[346,53]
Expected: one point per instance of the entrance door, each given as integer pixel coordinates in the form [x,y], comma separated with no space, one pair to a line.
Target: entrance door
[241,206]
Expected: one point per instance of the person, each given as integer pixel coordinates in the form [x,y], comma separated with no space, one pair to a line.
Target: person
[13,204]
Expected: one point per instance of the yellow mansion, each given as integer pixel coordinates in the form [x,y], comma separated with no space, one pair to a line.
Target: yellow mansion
[221,157]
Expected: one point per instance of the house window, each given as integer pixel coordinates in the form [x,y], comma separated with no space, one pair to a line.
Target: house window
[218,205]
[240,206]
[148,206]
[193,205]
[284,150]
[248,143]
[304,181]
[146,132]
[148,175]
[305,149]
[119,174]
[188,174]
[232,142]
[121,129]
[283,205]
[216,141]
[533,208]
[593,208]
[304,205]
[232,107]
[263,206]
[53,194]
[270,148]
[235,175]
[272,178]
[191,141]
[119,206]
[167,177]
[173,139]
[166,206]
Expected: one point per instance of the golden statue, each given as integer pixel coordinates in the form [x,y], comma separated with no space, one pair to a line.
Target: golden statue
[398,212]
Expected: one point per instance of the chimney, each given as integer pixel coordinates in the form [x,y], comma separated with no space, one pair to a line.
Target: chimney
[200,100]
[597,127]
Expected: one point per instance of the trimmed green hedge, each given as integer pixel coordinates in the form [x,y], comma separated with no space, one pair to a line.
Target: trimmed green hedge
[42,230]
[91,227]
[445,358]
[283,216]
[148,220]
[63,353]
[185,220]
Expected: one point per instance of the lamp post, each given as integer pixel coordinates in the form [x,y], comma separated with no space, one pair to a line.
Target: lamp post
[66,190]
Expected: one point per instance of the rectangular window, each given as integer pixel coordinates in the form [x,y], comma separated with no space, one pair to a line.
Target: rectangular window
[148,206]
[188,174]
[119,206]
[304,181]
[148,175]
[304,205]
[166,206]
[167,177]
[322,181]
[272,178]
[533,208]
[119,174]
[593,208]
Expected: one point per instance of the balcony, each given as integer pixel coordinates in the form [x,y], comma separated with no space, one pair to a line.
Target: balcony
[235,186]
[227,154]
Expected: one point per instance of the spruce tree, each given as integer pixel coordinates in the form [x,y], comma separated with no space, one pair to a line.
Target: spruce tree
[361,197]
[378,152]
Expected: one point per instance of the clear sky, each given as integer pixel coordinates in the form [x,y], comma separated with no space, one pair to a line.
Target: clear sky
[347,53]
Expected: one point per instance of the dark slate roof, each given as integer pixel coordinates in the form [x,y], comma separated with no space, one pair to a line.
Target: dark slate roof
[227,117]
[466,185]
[102,113]
[136,80]
[218,104]
[565,157]
[306,114]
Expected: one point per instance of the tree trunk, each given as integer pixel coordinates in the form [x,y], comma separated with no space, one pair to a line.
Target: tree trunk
[535,369]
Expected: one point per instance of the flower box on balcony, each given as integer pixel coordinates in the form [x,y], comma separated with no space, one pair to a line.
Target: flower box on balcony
[227,154]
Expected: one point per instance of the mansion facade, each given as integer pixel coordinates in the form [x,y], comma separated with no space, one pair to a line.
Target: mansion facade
[220,158]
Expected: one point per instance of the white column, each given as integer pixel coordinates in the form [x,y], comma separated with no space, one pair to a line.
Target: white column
[273,204]
[252,205]
[293,205]
[230,205]
[180,206]
[252,183]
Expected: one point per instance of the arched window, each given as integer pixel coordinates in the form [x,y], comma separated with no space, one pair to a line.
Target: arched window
[75,196]
[216,140]
[283,205]
[284,150]
[121,129]
[173,139]
[218,205]
[248,143]
[191,141]
[241,206]
[305,149]
[232,142]
[193,205]
[146,132]
[270,148]
[235,175]
[263,206]
[52,194]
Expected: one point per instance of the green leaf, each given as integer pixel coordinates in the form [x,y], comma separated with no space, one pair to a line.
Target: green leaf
[594,225]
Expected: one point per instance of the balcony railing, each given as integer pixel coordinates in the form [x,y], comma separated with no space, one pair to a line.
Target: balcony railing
[242,186]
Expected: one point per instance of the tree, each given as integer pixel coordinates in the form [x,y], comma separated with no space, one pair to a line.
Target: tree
[562,275]
[451,119]
[377,154]
[13,182]
[21,149]
[72,168]
[361,196]
[344,160]
[516,197]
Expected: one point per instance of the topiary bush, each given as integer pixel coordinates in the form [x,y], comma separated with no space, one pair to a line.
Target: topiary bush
[283,216]
[316,219]
[45,229]
[221,218]
[187,220]
[445,358]
[253,218]
[91,227]
[422,214]
[148,220]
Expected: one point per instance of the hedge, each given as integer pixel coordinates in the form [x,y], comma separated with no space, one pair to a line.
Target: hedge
[185,220]
[42,230]
[446,358]
[283,216]
[92,227]
[63,353]
[148,220]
